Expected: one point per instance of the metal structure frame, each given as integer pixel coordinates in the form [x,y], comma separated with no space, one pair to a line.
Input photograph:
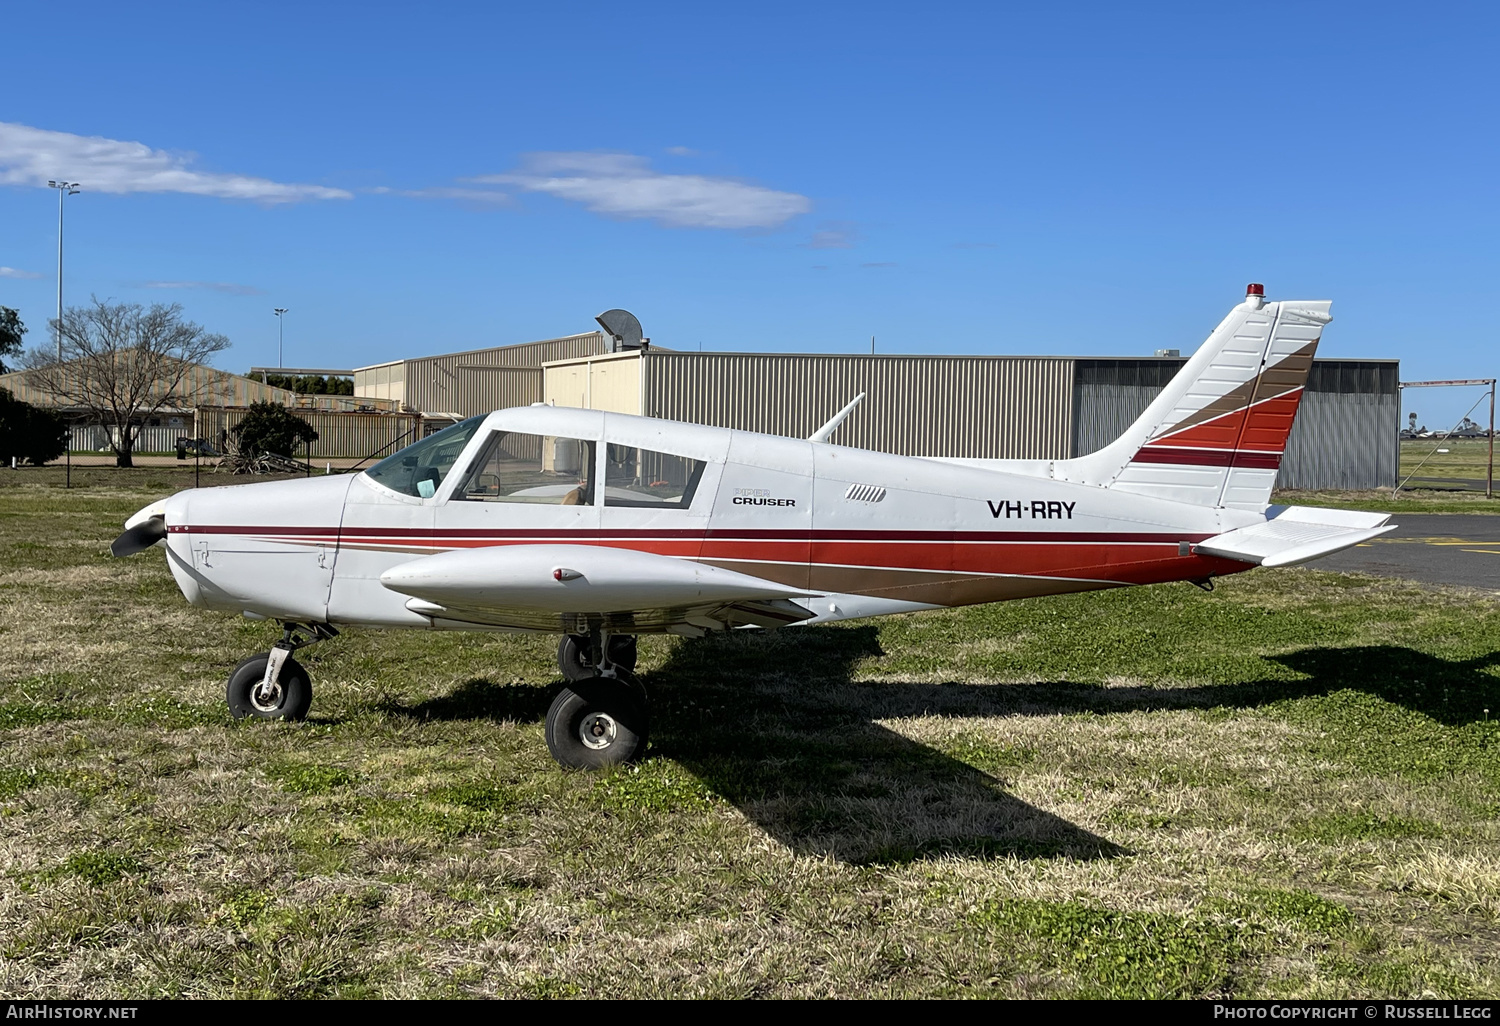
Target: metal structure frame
[64,190]
[1489,479]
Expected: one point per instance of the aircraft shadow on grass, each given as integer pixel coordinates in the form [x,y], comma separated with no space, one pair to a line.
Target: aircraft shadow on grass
[775,725]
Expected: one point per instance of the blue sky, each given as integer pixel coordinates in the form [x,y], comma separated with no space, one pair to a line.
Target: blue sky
[1046,178]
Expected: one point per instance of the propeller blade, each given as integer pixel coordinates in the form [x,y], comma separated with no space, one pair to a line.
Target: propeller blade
[139,538]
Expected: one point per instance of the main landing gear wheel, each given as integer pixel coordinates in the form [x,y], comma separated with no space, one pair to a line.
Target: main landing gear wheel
[288,698]
[574,661]
[598,722]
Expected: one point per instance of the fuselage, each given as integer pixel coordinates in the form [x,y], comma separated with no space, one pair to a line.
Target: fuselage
[851,532]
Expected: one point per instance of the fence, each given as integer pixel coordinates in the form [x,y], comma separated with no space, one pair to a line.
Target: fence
[339,434]
[152,438]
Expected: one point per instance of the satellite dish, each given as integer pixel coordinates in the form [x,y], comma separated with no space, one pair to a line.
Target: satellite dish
[622,328]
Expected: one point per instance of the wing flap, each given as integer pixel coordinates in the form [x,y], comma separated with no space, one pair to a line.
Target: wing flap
[770,614]
[1296,534]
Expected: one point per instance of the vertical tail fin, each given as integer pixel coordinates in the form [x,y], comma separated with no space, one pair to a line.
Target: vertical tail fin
[1216,434]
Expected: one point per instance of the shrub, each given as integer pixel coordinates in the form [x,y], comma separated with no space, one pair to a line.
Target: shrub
[272,428]
[30,434]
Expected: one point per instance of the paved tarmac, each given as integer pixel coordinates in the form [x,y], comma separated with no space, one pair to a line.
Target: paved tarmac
[1435,548]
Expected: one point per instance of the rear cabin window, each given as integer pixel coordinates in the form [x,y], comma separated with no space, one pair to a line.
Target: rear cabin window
[516,467]
[648,479]
[421,467]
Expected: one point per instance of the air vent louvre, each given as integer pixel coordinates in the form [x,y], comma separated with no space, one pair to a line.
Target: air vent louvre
[865,493]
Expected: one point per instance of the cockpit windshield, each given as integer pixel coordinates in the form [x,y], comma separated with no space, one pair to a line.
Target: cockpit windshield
[420,468]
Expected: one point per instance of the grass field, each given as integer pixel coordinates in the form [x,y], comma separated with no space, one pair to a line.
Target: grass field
[1284,788]
[1466,460]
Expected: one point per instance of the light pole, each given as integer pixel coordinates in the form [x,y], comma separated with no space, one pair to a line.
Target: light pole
[280,323]
[63,189]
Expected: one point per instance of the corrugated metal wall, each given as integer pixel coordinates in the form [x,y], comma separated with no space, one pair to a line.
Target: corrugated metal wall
[1342,441]
[1108,395]
[382,381]
[1342,438]
[981,407]
[484,389]
[202,386]
[339,434]
[611,381]
[483,380]
[161,438]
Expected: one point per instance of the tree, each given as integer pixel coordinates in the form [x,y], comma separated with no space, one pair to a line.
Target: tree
[310,384]
[11,330]
[28,433]
[272,428]
[122,363]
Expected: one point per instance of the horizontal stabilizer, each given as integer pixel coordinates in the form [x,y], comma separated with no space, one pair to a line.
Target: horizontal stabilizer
[1296,534]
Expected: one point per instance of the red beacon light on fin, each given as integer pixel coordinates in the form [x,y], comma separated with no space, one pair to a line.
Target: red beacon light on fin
[1255,289]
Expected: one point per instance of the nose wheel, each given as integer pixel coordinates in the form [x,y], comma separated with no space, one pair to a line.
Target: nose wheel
[272,685]
[250,694]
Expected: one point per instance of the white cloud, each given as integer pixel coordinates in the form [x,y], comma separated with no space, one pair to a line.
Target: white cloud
[834,235]
[682,151]
[488,197]
[626,186]
[11,272]
[31,156]
[226,287]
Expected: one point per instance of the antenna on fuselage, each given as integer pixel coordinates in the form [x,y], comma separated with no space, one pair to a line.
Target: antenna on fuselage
[826,431]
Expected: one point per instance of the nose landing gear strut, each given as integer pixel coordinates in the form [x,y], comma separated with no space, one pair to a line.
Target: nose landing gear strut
[272,685]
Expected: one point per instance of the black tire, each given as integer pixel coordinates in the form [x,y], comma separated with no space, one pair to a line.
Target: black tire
[573,661]
[598,722]
[291,702]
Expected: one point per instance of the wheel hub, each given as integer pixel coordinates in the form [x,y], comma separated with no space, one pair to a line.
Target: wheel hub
[266,699]
[597,731]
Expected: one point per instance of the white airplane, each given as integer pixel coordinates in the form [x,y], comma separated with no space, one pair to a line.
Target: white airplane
[602,526]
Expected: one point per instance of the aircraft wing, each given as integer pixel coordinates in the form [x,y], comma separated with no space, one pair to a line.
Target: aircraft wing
[1296,534]
[574,587]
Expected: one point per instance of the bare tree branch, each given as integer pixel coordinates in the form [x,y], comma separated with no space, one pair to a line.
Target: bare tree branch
[123,363]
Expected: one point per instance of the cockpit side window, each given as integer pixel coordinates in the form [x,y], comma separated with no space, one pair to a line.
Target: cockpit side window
[421,467]
[517,467]
[648,479]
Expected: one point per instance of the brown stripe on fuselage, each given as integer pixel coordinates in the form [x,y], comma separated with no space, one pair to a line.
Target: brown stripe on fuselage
[938,589]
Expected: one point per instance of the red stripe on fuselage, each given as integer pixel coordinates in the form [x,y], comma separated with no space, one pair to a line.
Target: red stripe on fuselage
[1124,557]
[568,536]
